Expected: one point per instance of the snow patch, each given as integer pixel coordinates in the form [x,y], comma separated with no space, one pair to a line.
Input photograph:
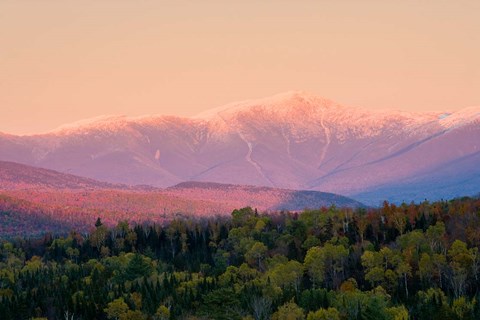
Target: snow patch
[327,138]
[248,157]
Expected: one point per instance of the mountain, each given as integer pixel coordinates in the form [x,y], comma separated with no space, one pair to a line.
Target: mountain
[293,140]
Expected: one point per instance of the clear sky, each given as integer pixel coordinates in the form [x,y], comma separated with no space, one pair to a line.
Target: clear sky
[61,61]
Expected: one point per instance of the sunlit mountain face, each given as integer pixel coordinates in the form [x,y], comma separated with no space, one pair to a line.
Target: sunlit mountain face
[293,140]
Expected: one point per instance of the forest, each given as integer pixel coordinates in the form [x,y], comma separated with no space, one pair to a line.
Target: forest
[398,262]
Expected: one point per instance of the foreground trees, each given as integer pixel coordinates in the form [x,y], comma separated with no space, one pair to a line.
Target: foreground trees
[405,262]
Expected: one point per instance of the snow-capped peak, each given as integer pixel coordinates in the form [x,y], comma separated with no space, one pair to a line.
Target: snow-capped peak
[277,103]
[298,107]
[100,121]
[460,117]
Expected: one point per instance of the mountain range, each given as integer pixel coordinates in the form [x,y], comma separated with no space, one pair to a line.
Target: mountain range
[293,140]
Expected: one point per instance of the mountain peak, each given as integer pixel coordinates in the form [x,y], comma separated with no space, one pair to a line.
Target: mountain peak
[278,102]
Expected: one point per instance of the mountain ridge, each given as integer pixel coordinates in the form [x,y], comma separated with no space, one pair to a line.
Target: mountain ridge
[245,105]
[292,140]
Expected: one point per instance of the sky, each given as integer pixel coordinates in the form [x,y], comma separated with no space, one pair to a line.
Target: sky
[62,61]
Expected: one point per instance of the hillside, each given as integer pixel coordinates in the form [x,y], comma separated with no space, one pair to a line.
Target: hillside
[39,200]
[18,176]
[263,198]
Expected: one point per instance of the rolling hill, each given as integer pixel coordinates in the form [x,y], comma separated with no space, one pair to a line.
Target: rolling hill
[14,176]
[37,200]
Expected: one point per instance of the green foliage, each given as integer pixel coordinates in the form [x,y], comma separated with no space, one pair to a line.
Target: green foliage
[163,313]
[330,263]
[116,309]
[324,314]
[220,304]
[138,266]
[289,311]
[398,313]
[256,254]
[287,275]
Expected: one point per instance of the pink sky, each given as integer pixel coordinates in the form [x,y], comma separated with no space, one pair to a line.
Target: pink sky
[61,61]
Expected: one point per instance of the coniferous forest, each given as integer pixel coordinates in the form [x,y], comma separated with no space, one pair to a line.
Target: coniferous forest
[413,261]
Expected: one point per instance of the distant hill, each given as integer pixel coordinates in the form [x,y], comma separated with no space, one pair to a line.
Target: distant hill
[264,198]
[17,178]
[293,141]
[39,200]
[14,176]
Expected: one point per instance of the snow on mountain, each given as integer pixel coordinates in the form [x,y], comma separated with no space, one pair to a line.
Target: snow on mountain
[104,122]
[292,140]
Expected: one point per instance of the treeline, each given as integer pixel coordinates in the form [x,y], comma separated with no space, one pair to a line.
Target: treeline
[417,261]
